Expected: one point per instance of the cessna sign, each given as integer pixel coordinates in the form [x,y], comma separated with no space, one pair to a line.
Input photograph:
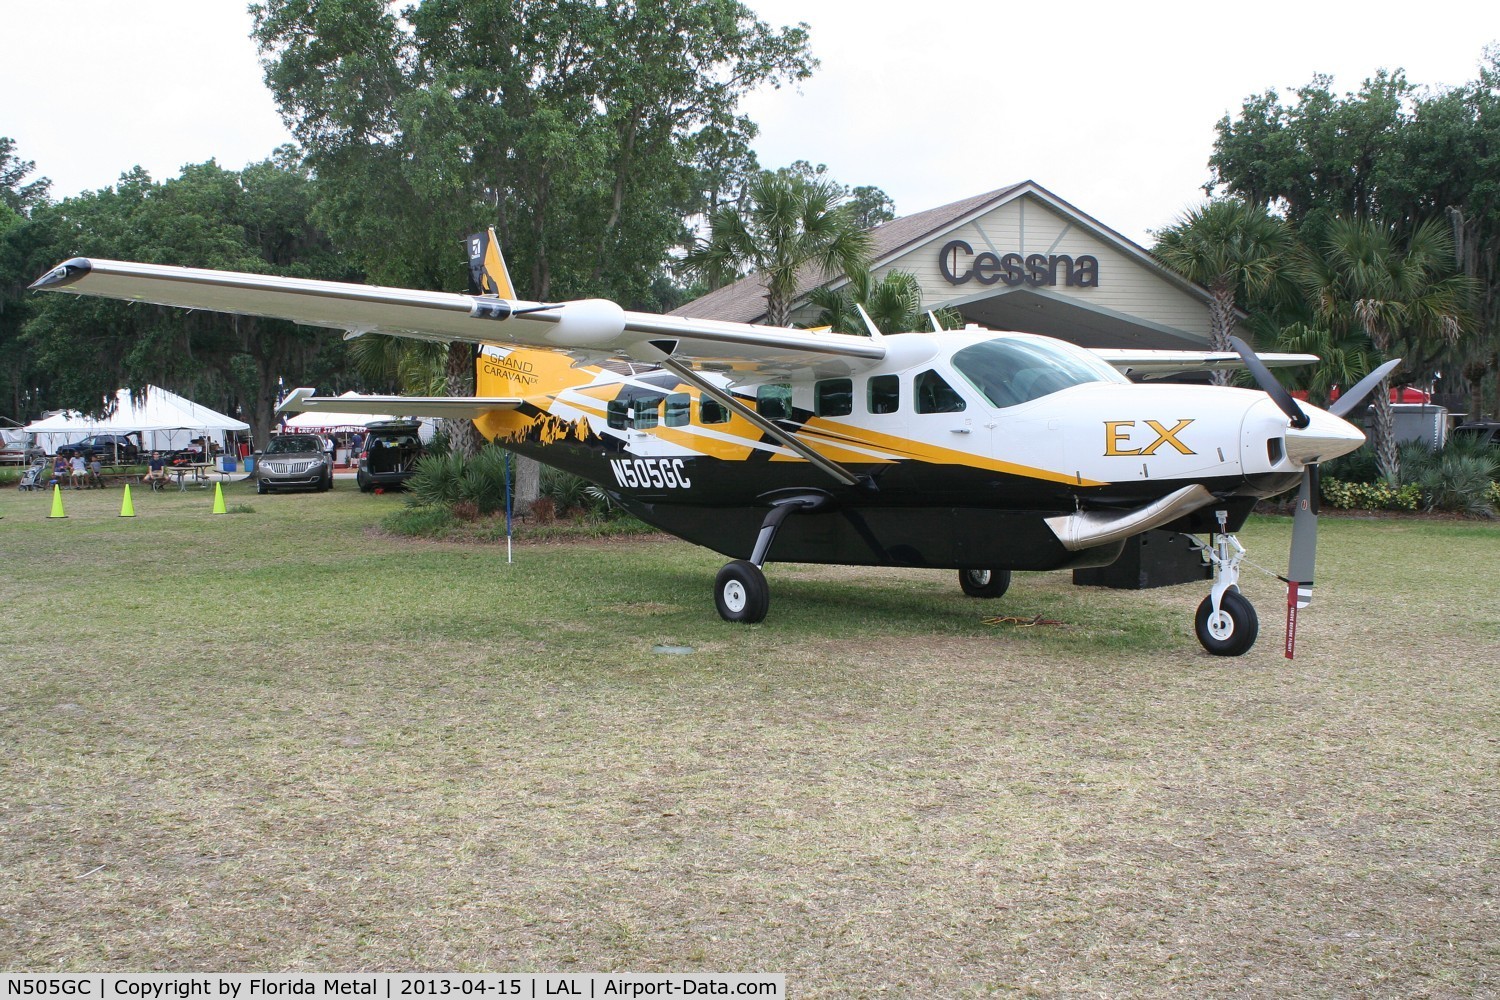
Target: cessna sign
[960,264]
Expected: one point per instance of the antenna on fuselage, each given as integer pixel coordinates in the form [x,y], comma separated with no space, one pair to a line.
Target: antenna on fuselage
[932,318]
[869,323]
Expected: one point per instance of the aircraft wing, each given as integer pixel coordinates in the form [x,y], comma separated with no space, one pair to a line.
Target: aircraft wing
[1158,364]
[303,401]
[589,330]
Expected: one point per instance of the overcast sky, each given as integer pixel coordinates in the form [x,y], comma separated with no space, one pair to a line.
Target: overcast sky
[1109,107]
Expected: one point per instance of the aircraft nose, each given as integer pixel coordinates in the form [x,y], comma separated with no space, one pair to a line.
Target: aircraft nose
[1325,437]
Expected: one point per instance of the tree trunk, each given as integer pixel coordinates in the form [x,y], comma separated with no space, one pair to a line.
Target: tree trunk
[1387,458]
[458,372]
[1221,324]
[528,472]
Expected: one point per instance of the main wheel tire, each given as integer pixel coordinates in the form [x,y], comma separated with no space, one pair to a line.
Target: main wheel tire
[986,583]
[262,488]
[1230,632]
[327,483]
[741,593]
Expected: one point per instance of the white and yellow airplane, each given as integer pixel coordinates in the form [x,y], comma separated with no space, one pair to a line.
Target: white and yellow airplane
[974,450]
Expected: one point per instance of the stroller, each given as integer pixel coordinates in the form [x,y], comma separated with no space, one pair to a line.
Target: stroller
[34,478]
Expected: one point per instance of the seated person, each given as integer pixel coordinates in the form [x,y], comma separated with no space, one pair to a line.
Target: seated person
[60,470]
[156,469]
[80,472]
[95,468]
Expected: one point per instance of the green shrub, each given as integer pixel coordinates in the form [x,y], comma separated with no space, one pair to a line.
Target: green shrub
[1369,496]
[573,495]
[1356,467]
[1459,483]
[436,482]
[484,478]
[475,485]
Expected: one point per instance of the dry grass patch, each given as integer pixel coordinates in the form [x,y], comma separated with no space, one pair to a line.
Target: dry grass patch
[276,741]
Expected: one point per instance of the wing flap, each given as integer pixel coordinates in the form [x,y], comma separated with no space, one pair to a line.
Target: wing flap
[1157,364]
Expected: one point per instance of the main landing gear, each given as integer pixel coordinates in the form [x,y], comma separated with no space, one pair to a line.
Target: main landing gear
[986,583]
[740,590]
[1226,622]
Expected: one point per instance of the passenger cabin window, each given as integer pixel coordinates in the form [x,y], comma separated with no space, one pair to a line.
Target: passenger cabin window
[774,402]
[711,411]
[934,395]
[639,412]
[678,412]
[1012,371]
[833,397]
[618,412]
[646,412]
[884,394]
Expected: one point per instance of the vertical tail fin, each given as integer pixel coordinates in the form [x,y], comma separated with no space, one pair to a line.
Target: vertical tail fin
[488,274]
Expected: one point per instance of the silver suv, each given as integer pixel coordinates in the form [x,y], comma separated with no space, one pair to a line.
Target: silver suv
[294,461]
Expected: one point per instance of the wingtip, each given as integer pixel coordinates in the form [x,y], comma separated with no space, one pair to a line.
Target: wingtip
[65,273]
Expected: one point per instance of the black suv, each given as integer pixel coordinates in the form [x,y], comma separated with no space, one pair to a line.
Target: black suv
[1487,431]
[389,455]
[106,446]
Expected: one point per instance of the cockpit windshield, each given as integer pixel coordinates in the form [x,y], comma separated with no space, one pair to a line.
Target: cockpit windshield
[1012,370]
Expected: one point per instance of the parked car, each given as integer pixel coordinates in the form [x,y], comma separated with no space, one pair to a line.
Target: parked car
[389,455]
[18,446]
[114,448]
[1487,431]
[294,461]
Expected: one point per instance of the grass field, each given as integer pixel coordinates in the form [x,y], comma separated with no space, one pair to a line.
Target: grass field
[279,740]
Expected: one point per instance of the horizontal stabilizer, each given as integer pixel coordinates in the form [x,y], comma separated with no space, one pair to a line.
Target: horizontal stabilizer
[450,407]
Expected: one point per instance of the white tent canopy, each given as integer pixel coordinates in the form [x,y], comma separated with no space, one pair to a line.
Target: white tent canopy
[165,420]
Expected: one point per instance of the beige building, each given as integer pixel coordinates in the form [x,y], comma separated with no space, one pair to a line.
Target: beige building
[1019,258]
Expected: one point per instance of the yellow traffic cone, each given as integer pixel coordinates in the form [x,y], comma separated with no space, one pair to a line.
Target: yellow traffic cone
[57,510]
[127,509]
[219,499]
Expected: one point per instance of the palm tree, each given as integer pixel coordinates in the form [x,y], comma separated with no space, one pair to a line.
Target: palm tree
[1239,252]
[894,303]
[1402,295]
[793,222]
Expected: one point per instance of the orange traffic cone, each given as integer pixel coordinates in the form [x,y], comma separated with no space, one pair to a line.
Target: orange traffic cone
[57,510]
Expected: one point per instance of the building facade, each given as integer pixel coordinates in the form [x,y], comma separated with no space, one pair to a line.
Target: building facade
[1018,258]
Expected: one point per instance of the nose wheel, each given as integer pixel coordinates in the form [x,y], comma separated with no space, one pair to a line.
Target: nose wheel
[1226,622]
[1230,630]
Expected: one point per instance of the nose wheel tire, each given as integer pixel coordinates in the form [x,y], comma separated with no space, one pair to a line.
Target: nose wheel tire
[986,583]
[1230,631]
[741,593]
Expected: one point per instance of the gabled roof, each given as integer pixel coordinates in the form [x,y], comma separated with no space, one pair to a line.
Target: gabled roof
[744,301]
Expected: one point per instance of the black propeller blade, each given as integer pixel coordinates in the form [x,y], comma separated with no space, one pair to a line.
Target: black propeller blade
[1347,401]
[1268,383]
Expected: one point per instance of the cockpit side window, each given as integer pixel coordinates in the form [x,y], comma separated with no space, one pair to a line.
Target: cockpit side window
[883,394]
[934,395]
[1012,371]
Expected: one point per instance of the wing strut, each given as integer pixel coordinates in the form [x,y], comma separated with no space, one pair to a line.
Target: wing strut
[783,437]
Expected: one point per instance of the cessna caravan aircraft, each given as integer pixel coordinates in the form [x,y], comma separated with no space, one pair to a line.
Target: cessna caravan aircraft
[976,450]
